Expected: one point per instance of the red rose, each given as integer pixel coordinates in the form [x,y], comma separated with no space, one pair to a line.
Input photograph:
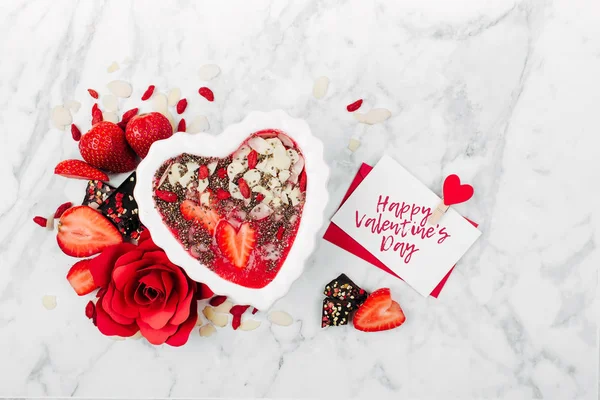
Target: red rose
[142,290]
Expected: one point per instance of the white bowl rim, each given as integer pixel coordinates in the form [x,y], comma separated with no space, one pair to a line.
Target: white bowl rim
[222,145]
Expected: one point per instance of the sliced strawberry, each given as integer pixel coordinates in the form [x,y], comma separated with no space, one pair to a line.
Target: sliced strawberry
[236,246]
[252,159]
[83,231]
[204,216]
[244,188]
[203,172]
[379,313]
[79,170]
[223,194]
[81,279]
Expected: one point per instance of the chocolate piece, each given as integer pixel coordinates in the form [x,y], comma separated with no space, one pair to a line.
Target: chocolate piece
[335,312]
[122,209]
[96,192]
[342,288]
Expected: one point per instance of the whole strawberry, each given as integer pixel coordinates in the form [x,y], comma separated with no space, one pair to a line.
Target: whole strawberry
[143,130]
[105,147]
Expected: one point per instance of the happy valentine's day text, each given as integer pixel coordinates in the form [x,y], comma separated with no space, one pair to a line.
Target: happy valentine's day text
[408,220]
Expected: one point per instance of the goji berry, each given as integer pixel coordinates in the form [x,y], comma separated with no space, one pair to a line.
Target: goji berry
[181,106]
[75,133]
[354,106]
[93,93]
[206,93]
[148,93]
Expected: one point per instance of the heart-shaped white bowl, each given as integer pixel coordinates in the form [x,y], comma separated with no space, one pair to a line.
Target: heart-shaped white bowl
[222,145]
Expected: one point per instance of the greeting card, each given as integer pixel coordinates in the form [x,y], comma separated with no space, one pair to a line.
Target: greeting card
[387,215]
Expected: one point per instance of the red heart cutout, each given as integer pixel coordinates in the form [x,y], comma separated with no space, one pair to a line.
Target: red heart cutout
[454,192]
[238,215]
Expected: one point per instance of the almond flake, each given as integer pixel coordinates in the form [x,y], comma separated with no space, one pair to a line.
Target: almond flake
[241,155]
[223,307]
[295,196]
[252,177]
[270,168]
[298,166]
[373,116]
[198,124]
[281,318]
[260,145]
[260,211]
[49,302]
[61,117]
[205,198]
[120,88]
[281,160]
[274,142]
[202,184]
[164,176]
[249,325]
[218,319]
[73,105]
[293,155]
[207,330]
[284,198]
[160,103]
[175,173]
[276,202]
[112,67]
[209,71]
[320,87]
[110,102]
[234,190]
[234,169]
[110,116]
[173,97]
[50,222]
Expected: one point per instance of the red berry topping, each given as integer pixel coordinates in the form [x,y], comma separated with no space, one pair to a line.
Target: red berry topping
[181,106]
[93,93]
[203,172]
[148,93]
[354,106]
[206,93]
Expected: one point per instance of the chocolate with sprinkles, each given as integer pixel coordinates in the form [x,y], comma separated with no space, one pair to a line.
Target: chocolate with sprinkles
[122,209]
[96,192]
[335,312]
[342,288]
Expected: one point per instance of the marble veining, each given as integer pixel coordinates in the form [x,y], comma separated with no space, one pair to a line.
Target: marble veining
[504,93]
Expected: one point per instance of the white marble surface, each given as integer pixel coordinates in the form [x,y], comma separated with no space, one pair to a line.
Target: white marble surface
[505,93]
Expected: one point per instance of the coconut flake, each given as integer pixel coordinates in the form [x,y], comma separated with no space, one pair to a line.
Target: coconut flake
[285,139]
[249,325]
[260,145]
[234,190]
[49,302]
[173,97]
[293,154]
[198,124]
[281,318]
[252,177]
[61,117]
[175,173]
[281,159]
[270,168]
[284,176]
[241,155]
[295,196]
[112,67]
[218,319]
[320,87]
[205,198]
[298,166]
[207,330]
[164,176]
[260,211]
[110,116]
[284,198]
[234,169]
[209,71]
[373,116]
[212,167]
[274,182]
[120,88]
[202,184]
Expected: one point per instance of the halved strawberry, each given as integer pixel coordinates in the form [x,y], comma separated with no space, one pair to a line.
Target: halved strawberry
[79,170]
[206,217]
[379,313]
[83,231]
[80,278]
[236,246]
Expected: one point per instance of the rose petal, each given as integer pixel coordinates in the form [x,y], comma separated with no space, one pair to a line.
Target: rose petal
[153,279]
[167,280]
[129,293]
[120,306]
[107,305]
[204,292]
[101,266]
[183,333]
[125,273]
[183,307]
[157,318]
[140,298]
[156,336]
[157,256]
[109,327]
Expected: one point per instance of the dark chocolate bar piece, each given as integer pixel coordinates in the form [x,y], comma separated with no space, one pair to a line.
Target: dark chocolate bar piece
[335,312]
[96,192]
[122,209]
[342,288]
